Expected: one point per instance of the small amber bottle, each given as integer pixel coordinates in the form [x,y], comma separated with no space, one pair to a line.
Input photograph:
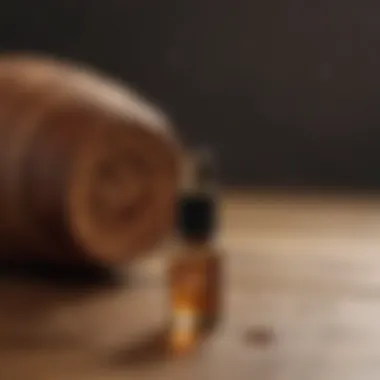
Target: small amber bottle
[194,272]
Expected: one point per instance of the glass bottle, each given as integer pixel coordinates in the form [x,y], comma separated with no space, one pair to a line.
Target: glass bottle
[195,269]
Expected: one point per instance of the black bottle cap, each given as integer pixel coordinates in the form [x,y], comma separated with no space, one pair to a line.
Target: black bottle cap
[197,202]
[196,216]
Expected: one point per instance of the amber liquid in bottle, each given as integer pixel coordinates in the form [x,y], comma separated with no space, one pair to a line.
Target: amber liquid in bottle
[194,272]
[195,295]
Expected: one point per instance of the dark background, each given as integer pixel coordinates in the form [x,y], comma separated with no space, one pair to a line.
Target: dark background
[286,91]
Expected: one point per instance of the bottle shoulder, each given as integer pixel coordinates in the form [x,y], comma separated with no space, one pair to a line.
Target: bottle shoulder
[195,256]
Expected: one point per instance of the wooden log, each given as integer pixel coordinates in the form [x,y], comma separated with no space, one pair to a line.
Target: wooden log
[88,169]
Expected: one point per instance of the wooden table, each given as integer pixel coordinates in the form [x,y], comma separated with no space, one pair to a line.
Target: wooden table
[302,302]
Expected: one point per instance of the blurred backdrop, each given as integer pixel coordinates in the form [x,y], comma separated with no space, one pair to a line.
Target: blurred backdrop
[287,92]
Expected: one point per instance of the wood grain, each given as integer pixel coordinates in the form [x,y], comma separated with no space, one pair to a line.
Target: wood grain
[301,296]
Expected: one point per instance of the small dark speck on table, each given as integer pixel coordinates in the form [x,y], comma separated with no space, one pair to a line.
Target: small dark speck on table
[259,336]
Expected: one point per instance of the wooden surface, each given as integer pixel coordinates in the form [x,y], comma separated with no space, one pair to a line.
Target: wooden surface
[302,301]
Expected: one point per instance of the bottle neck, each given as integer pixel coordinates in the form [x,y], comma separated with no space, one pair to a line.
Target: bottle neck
[197,242]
